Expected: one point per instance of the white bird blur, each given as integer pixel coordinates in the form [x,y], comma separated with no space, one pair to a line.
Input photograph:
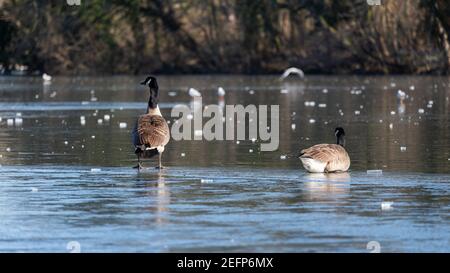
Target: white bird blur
[194,92]
[401,95]
[220,91]
[292,70]
[46,77]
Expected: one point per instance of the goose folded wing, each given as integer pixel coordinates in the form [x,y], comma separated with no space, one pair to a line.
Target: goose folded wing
[153,131]
[323,152]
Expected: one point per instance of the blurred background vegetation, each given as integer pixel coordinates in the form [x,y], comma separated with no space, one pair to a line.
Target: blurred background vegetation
[225,36]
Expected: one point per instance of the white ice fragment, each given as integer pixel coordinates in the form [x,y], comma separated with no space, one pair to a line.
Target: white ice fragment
[94,99]
[310,103]
[189,116]
[10,122]
[94,170]
[34,189]
[82,122]
[172,94]
[183,154]
[250,150]
[284,91]
[293,126]
[392,113]
[93,136]
[251,92]
[357,112]
[374,171]
[386,205]
[312,121]
[106,117]
[122,125]
[403,148]
[66,142]
[391,126]
[412,87]
[322,105]
[237,142]
[99,121]
[282,157]
[206,180]
[421,111]
[253,140]
[325,91]
[18,114]
[8,149]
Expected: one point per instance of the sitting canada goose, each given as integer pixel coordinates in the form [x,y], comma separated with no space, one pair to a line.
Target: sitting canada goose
[151,132]
[327,157]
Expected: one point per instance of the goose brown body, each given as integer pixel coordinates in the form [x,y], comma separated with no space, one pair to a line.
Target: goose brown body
[152,131]
[325,158]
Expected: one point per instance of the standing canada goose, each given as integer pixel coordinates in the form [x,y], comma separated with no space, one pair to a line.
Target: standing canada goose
[151,132]
[327,157]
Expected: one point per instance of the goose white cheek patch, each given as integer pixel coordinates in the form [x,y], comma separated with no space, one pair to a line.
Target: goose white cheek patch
[227,122]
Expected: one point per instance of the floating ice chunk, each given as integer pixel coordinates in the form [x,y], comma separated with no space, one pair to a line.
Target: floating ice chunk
[8,149]
[393,84]
[99,121]
[250,150]
[122,125]
[84,103]
[18,114]
[183,154]
[357,112]
[322,105]
[282,157]
[378,172]
[412,87]
[310,103]
[94,170]
[293,126]
[0,119]
[392,113]
[312,121]
[238,142]
[10,122]
[172,94]
[391,126]
[53,94]
[421,111]
[284,91]
[325,91]
[253,140]
[93,136]
[66,142]
[386,205]
[82,122]
[106,117]
[403,148]
[34,189]
[46,77]
[251,92]
[189,116]
[94,99]
[206,180]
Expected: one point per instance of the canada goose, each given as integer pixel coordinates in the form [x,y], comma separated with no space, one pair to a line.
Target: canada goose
[292,70]
[327,157]
[151,132]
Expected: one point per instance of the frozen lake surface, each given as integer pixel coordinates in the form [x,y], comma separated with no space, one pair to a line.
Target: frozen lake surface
[62,181]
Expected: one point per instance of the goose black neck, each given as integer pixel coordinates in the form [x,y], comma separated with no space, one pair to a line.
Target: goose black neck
[340,140]
[153,100]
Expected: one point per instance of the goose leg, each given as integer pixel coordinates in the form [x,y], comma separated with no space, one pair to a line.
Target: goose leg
[139,165]
[159,159]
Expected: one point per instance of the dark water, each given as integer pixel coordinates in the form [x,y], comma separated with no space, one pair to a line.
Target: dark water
[63,182]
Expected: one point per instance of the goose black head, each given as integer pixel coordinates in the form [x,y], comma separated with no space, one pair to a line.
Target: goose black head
[340,136]
[151,83]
